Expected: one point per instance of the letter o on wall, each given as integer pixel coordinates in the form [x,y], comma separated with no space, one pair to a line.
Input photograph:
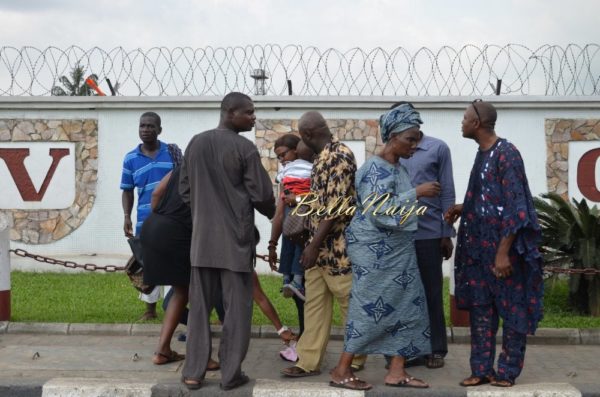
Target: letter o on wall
[586,175]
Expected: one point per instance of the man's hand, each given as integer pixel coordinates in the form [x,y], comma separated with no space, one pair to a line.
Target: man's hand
[273,258]
[446,247]
[428,189]
[453,213]
[290,199]
[128,227]
[502,266]
[309,256]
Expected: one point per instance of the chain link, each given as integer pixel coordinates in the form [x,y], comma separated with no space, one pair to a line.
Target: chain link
[88,266]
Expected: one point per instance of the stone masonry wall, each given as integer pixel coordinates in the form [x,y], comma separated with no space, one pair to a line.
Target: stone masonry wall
[269,130]
[46,226]
[559,132]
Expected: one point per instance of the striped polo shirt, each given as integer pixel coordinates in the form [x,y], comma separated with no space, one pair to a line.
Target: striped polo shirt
[144,173]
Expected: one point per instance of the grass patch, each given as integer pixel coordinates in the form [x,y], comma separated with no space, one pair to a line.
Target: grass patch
[109,298]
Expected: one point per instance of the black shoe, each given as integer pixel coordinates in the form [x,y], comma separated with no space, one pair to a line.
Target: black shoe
[242,380]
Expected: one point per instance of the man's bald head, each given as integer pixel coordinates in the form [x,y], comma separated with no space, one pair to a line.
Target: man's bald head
[233,101]
[311,120]
[487,114]
[314,130]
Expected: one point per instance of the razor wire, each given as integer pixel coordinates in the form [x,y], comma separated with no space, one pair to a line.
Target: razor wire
[548,70]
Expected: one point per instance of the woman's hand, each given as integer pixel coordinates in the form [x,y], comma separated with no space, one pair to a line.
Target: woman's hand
[428,189]
[453,213]
[287,336]
[273,258]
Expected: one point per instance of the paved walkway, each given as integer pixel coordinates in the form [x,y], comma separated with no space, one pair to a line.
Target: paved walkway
[100,364]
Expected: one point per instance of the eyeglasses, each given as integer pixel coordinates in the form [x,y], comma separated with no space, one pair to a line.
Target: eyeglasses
[475,108]
[280,156]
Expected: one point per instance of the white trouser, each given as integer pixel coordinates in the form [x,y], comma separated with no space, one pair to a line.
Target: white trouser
[152,297]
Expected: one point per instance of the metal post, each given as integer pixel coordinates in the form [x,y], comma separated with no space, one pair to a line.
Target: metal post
[4,267]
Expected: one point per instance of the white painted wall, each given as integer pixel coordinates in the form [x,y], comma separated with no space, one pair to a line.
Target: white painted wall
[520,120]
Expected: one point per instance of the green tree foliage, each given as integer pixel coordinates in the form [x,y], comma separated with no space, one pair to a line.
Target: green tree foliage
[75,86]
[571,238]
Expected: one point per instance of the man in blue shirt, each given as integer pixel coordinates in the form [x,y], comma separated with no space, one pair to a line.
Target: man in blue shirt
[432,162]
[143,168]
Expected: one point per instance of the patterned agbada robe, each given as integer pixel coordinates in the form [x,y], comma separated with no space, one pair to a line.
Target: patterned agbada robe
[332,180]
[498,203]
[388,309]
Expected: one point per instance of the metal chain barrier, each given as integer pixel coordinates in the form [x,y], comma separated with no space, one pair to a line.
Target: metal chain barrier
[88,266]
[309,71]
[588,271]
[111,268]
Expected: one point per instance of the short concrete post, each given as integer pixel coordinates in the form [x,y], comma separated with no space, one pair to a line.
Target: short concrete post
[458,318]
[4,268]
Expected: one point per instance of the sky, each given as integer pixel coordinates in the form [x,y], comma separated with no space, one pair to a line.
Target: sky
[341,24]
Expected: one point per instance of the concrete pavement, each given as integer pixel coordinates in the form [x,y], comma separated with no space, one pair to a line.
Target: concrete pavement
[114,360]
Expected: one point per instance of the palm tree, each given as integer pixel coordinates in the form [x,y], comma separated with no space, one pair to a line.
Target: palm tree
[571,237]
[76,86]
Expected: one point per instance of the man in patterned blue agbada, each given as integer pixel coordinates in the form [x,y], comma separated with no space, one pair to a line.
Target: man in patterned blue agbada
[387,313]
[498,268]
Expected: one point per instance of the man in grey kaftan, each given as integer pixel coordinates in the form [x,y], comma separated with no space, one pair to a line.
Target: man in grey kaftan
[223,180]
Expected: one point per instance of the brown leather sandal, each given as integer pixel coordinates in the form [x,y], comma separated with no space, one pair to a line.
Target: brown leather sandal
[476,381]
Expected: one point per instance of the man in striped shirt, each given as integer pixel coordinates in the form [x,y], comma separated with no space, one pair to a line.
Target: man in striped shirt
[143,168]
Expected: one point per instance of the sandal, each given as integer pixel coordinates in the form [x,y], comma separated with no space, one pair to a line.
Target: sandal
[502,383]
[358,384]
[297,372]
[357,367]
[435,361]
[172,357]
[406,382]
[191,384]
[476,381]
[213,365]
[147,316]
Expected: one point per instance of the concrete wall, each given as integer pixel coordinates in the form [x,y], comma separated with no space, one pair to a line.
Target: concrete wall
[521,120]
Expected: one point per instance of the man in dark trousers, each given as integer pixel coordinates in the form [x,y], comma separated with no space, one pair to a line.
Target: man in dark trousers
[223,181]
[432,162]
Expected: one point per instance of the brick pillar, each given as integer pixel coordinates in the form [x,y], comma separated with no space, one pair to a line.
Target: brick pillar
[4,268]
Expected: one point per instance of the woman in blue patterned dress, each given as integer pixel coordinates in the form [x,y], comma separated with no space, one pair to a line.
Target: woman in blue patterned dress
[387,313]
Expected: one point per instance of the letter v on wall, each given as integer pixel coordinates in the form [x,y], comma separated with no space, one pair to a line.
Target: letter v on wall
[15,162]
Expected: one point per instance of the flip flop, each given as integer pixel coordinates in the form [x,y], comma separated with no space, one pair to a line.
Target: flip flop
[406,383]
[481,380]
[297,372]
[169,358]
[345,384]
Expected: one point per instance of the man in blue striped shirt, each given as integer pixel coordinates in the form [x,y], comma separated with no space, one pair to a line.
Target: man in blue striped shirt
[143,168]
